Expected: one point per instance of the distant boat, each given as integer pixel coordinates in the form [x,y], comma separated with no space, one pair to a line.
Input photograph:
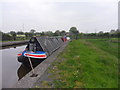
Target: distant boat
[38,49]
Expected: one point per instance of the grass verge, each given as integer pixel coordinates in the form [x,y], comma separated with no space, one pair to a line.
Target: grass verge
[87,64]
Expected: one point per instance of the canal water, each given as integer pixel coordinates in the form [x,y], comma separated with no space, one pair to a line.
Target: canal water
[12,70]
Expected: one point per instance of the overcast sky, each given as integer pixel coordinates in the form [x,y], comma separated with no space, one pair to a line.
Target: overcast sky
[41,15]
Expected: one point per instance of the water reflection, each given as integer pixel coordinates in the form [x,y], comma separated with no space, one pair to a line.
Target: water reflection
[22,71]
[10,65]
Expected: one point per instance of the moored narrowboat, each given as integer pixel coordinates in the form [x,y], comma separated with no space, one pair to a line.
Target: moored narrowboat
[38,49]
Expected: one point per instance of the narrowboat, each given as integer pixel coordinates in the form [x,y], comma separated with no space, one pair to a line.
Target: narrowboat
[38,49]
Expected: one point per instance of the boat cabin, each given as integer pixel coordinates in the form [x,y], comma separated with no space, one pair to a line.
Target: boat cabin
[48,44]
[34,45]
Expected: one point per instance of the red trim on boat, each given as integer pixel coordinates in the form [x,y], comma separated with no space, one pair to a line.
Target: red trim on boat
[35,55]
[19,54]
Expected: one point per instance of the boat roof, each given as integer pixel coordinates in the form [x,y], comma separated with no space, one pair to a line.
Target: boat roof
[48,44]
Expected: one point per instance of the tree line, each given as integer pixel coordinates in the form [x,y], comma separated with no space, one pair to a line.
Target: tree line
[73,33]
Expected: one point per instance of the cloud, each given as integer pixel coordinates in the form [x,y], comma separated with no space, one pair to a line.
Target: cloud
[59,15]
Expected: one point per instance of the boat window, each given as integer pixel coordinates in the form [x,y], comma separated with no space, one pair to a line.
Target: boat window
[38,47]
[32,47]
[32,40]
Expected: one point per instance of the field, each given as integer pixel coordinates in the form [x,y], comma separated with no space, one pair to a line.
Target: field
[87,63]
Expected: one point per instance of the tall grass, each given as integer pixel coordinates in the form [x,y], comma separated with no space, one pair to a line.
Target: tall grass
[106,45]
[87,64]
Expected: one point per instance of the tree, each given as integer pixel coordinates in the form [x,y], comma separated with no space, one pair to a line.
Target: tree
[42,34]
[81,35]
[49,33]
[91,35]
[74,32]
[13,33]
[1,33]
[32,31]
[57,33]
[101,34]
[112,33]
[6,36]
[20,32]
[62,33]
[28,34]
[37,34]
[118,31]
[106,34]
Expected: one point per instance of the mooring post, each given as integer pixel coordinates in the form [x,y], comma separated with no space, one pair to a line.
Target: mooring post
[33,73]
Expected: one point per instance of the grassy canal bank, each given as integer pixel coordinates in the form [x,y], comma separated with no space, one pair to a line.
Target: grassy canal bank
[85,63]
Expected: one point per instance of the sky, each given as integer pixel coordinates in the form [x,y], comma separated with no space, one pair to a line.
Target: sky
[51,15]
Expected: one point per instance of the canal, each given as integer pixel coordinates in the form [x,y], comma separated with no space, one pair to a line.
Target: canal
[12,70]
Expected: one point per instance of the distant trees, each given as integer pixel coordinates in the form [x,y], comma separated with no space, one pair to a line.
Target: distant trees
[114,33]
[60,33]
[118,33]
[32,31]
[1,36]
[20,33]
[28,35]
[13,33]
[6,37]
[63,32]
[57,33]
[37,34]
[74,32]
[42,34]
[48,33]
[106,34]
[101,34]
